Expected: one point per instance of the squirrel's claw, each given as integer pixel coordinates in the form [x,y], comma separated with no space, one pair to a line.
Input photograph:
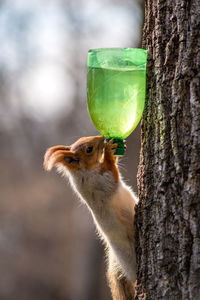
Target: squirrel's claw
[110,147]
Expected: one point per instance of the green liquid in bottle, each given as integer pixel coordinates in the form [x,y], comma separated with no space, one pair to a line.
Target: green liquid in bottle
[116,100]
[116,85]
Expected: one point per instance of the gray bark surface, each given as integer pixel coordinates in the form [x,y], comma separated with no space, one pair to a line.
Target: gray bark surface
[168,214]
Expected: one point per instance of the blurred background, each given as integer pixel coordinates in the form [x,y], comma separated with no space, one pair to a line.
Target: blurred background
[48,246]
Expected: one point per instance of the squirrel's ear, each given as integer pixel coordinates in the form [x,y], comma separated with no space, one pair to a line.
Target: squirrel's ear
[56,155]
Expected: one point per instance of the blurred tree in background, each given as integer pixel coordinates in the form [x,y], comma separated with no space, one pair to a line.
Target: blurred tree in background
[45,252]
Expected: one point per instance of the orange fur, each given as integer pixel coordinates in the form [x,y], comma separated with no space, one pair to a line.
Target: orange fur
[75,156]
[94,175]
[110,161]
[121,288]
[124,208]
[49,154]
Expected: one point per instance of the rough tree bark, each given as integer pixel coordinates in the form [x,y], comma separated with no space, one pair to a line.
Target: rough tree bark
[168,214]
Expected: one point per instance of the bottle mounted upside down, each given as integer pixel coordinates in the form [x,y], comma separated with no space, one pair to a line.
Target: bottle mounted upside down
[116,85]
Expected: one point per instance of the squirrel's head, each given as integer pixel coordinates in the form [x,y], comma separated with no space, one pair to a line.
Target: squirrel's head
[86,153]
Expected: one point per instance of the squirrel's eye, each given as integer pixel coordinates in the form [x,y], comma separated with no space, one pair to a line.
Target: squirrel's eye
[89,149]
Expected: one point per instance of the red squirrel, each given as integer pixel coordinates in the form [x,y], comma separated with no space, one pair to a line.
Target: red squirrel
[92,169]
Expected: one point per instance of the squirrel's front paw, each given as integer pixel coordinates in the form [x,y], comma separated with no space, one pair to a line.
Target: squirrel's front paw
[110,160]
[110,148]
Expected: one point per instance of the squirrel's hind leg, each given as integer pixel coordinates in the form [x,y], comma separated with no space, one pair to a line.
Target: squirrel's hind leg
[121,287]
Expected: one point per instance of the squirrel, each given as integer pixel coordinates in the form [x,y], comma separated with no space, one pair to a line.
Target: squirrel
[92,170]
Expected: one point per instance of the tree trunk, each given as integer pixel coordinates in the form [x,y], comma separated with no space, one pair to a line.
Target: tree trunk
[168,214]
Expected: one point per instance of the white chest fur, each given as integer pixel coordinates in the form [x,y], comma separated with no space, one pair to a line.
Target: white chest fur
[106,199]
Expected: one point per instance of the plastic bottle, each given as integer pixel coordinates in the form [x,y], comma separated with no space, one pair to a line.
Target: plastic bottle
[116,86]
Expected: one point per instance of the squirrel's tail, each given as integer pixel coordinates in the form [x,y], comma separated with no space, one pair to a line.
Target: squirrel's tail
[121,287]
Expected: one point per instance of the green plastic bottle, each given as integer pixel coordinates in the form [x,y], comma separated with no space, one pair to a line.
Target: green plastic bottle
[116,86]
